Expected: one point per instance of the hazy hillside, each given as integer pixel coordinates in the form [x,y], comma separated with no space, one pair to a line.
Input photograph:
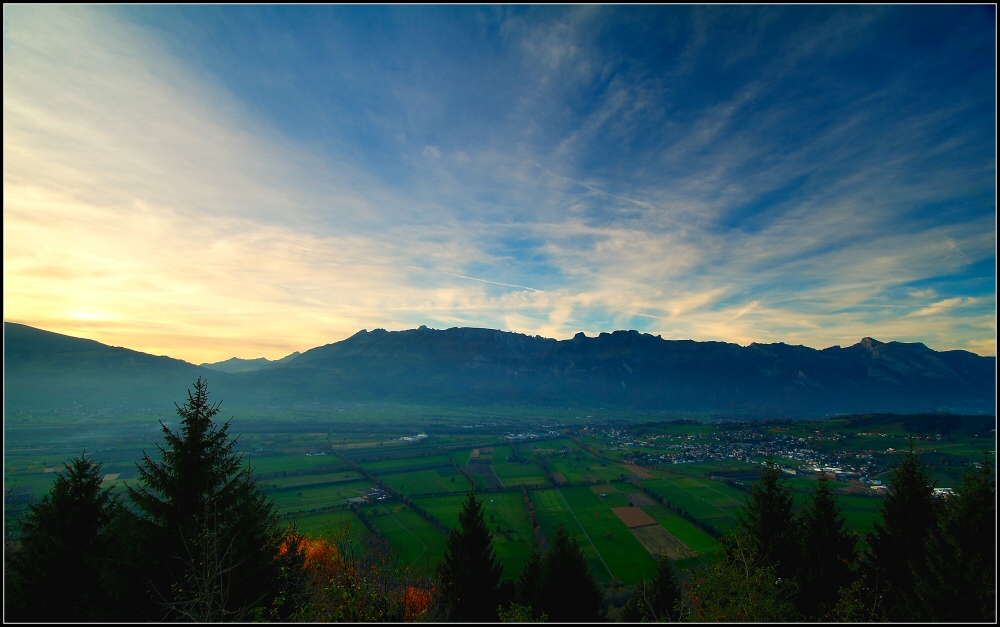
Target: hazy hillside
[46,371]
[235,364]
[468,366]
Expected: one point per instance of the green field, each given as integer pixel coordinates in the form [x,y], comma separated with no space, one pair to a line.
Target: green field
[324,524]
[408,464]
[516,473]
[626,558]
[419,544]
[312,489]
[419,482]
[306,498]
[701,498]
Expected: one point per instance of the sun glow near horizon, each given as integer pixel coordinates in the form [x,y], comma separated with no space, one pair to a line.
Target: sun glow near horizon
[542,170]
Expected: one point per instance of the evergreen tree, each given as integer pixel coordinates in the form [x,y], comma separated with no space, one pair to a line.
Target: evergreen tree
[208,532]
[470,573]
[961,585]
[528,589]
[768,522]
[657,600]
[569,591]
[60,570]
[828,550]
[898,545]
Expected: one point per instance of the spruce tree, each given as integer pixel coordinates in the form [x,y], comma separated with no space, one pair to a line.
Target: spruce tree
[60,570]
[470,573]
[528,588]
[828,550]
[569,591]
[898,544]
[768,522]
[209,533]
[961,584]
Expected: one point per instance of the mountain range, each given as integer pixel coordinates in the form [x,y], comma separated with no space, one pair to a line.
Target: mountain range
[46,371]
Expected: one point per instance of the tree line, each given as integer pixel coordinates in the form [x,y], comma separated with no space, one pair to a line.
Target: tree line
[197,539]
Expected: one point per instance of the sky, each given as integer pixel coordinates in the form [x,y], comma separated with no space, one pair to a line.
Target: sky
[211,182]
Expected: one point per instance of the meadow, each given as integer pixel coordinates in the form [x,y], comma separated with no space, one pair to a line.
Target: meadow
[575,475]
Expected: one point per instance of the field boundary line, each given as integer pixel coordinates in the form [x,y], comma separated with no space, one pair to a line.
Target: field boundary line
[695,496]
[414,537]
[586,535]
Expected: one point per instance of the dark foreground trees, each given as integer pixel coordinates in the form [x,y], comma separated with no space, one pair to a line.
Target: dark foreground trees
[470,574]
[899,542]
[569,592]
[828,552]
[960,585]
[656,600]
[62,570]
[208,535]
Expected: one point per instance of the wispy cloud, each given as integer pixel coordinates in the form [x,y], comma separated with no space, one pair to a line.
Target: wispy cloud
[637,167]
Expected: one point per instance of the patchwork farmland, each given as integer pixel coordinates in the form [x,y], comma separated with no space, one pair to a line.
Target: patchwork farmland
[411,490]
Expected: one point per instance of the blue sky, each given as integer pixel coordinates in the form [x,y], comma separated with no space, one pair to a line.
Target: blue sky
[208,182]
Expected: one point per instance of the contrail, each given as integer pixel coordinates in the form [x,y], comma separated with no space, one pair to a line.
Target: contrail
[472,278]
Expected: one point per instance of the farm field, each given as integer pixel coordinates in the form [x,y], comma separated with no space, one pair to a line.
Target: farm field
[311,498]
[435,481]
[619,549]
[419,544]
[701,498]
[324,524]
[515,473]
[312,488]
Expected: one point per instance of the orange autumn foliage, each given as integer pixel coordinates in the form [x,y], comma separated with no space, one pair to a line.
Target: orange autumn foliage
[327,570]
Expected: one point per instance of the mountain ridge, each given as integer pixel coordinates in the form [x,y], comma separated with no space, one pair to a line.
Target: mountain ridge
[475,366]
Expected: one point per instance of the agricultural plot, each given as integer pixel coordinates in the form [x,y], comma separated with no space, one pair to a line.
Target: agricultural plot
[699,500]
[391,466]
[435,481]
[514,473]
[305,481]
[553,510]
[278,463]
[322,525]
[620,550]
[659,541]
[419,544]
[633,517]
[506,510]
[692,537]
[311,498]
[480,468]
[582,467]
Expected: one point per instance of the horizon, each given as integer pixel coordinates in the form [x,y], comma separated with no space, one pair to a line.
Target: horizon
[217,182]
[588,335]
